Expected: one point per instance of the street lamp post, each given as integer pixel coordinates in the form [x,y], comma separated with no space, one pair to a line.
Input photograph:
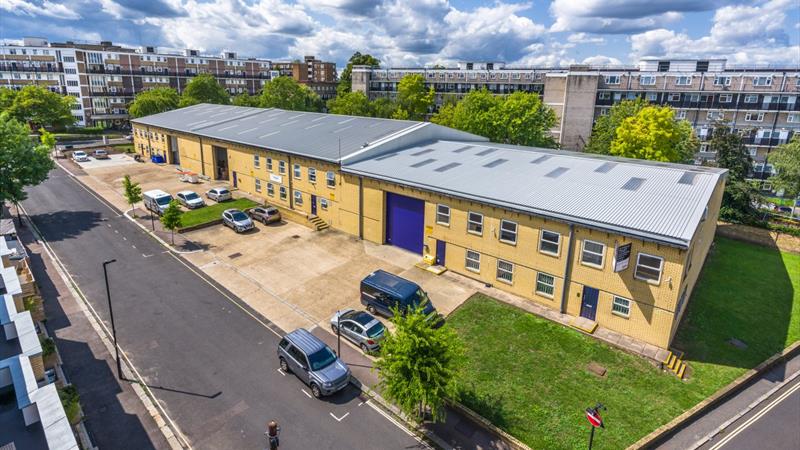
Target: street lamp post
[111,314]
[338,335]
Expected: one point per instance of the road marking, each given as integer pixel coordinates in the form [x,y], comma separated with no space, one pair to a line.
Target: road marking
[307,394]
[281,371]
[399,425]
[339,419]
[124,238]
[756,417]
[146,256]
[362,403]
[133,246]
[116,231]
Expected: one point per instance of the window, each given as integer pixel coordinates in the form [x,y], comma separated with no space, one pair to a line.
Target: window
[297,171]
[722,81]
[475,223]
[258,185]
[604,95]
[549,242]
[298,198]
[674,97]
[270,189]
[256,161]
[545,284]
[683,81]
[648,267]
[725,98]
[69,59]
[282,192]
[751,98]
[505,271]
[443,215]
[592,254]
[269,164]
[312,175]
[71,71]
[652,96]
[681,115]
[323,203]
[282,167]
[508,232]
[715,115]
[754,117]
[647,80]
[694,97]
[330,179]
[762,81]
[473,261]
[621,307]
[612,79]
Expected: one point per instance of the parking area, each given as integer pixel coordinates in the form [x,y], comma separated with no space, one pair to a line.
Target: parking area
[114,160]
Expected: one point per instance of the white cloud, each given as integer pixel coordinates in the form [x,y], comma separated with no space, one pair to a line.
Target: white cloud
[620,16]
[45,9]
[583,38]
[602,60]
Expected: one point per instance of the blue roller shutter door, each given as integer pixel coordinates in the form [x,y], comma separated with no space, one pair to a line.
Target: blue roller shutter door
[405,222]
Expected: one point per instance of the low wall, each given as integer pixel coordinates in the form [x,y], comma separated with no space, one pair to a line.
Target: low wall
[759,236]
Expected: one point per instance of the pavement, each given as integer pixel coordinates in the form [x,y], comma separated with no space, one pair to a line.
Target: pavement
[205,356]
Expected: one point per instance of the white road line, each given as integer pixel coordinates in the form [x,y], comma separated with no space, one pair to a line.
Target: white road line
[756,417]
[146,256]
[133,246]
[307,394]
[281,371]
[124,238]
[116,231]
[339,419]
[399,425]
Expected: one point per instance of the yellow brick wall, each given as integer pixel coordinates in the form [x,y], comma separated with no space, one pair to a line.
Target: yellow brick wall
[148,141]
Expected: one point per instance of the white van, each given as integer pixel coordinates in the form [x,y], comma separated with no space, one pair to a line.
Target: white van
[156,201]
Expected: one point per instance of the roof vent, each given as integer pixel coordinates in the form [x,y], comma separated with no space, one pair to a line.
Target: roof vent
[555,173]
[495,163]
[423,163]
[381,158]
[422,152]
[687,178]
[486,152]
[447,167]
[633,184]
[540,159]
[606,167]
[462,149]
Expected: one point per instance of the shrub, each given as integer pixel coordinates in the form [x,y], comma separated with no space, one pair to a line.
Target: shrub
[48,347]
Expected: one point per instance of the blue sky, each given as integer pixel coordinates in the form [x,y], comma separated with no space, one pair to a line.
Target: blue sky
[425,32]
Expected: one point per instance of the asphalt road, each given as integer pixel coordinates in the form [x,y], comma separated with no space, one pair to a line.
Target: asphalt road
[207,358]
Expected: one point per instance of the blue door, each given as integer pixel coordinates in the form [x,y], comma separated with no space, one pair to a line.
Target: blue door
[440,252]
[405,222]
[589,305]
[313,205]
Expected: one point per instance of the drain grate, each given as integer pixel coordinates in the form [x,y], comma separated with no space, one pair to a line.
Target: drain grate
[234,255]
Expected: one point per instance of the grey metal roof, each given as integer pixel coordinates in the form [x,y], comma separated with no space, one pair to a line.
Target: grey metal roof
[654,201]
[322,136]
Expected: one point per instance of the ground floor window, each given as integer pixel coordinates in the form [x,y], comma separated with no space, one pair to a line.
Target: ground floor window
[323,203]
[473,261]
[505,271]
[621,306]
[298,198]
[545,284]
[283,192]
[258,185]
[270,189]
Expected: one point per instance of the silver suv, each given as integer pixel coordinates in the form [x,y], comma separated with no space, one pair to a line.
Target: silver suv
[239,221]
[313,362]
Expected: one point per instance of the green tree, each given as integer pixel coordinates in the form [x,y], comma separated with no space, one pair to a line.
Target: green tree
[40,107]
[133,192]
[351,104]
[171,218]
[786,161]
[7,97]
[154,101]
[204,88]
[522,119]
[245,99]
[475,113]
[654,134]
[382,107]
[740,197]
[286,93]
[22,163]
[346,78]
[605,128]
[413,98]
[417,366]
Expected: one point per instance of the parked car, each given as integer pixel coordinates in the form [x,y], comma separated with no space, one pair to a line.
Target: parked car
[237,220]
[100,154]
[382,291]
[190,199]
[219,194]
[264,214]
[359,327]
[156,201]
[305,355]
[80,156]
[785,209]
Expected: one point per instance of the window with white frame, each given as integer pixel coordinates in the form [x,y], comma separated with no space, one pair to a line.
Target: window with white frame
[674,97]
[296,171]
[612,79]
[282,192]
[593,253]
[282,167]
[298,198]
[683,80]
[762,81]
[323,203]
[715,115]
[793,118]
[443,215]
[647,80]
[508,232]
[549,242]
[545,284]
[722,81]
[754,117]
[652,96]
[648,267]
[694,97]
[681,115]
[258,185]
[330,179]
[621,307]
[752,98]
[270,189]
[269,164]
[473,261]
[475,223]
[604,95]
[256,161]
[312,175]
[505,271]
[725,98]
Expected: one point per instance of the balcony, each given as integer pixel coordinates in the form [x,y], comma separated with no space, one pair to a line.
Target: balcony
[33,69]
[105,93]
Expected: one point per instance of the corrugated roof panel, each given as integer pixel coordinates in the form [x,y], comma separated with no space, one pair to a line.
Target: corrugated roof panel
[687,178]
[557,172]
[605,167]
[633,184]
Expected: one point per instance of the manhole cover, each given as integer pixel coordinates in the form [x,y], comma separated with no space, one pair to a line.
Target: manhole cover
[234,255]
[596,369]
[295,236]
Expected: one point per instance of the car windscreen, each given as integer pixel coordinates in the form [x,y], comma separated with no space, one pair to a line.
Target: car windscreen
[190,196]
[163,201]
[375,330]
[222,191]
[321,359]
[419,298]
[239,216]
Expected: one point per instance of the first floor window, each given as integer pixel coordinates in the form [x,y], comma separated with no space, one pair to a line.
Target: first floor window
[258,185]
[549,242]
[505,271]
[443,215]
[269,164]
[296,171]
[270,189]
[283,192]
[648,267]
[312,175]
[298,198]
[282,167]
[475,223]
[621,306]
[592,254]
[545,284]
[330,179]
[473,261]
[256,161]
[508,232]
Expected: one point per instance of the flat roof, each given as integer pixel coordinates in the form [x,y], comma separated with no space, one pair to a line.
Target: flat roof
[661,202]
[329,137]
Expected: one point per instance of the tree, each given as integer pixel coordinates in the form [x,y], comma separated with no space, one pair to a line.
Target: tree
[22,163]
[740,197]
[605,128]
[654,134]
[286,93]
[171,218]
[383,108]
[522,119]
[413,99]
[133,192]
[351,104]
[154,101]
[7,97]
[245,99]
[346,79]
[40,107]
[474,113]
[204,88]
[417,366]
[786,161]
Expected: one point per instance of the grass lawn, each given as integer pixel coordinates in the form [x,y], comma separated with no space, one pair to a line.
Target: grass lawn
[528,375]
[213,211]
[780,201]
[127,148]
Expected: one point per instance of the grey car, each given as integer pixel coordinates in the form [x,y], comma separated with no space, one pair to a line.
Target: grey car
[305,355]
[236,219]
[190,199]
[360,327]
[265,214]
[219,194]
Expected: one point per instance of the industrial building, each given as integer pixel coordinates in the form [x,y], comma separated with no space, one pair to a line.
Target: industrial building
[611,241]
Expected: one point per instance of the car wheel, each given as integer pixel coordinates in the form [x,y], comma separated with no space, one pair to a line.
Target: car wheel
[334,329]
[364,348]
[315,391]
[371,309]
[284,366]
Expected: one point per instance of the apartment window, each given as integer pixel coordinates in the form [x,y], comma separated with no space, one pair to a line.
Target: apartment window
[258,185]
[312,175]
[694,97]
[330,179]
[604,111]
[683,81]
[473,261]
[549,242]
[722,81]
[508,232]
[754,117]
[621,307]
[751,98]
[652,96]
[604,95]
[443,215]
[725,98]
[256,161]
[681,115]
[545,284]
[270,189]
[592,254]
[648,267]
[298,198]
[282,167]
[475,223]
[282,192]
[297,171]
[762,81]
[269,164]
[715,115]
[505,271]
[71,71]
[72,83]
[793,118]
[647,80]
[612,79]
[674,97]
[69,59]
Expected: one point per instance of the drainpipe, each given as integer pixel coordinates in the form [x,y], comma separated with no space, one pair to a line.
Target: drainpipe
[361,208]
[202,159]
[567,269]
[149,146]
[289,173]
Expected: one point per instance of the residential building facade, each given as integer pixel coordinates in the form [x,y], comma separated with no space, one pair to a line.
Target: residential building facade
[319,76]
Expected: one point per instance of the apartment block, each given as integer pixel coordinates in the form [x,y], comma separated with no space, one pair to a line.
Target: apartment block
[104,77]
[611,241]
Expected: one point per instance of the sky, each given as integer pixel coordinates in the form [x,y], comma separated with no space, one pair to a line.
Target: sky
[405,33]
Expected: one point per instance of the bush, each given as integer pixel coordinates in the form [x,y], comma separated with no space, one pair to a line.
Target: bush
[85,130]
[786,229]
[48,347]
[71,403]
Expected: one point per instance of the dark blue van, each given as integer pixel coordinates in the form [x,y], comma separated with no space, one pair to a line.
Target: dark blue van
[381,291]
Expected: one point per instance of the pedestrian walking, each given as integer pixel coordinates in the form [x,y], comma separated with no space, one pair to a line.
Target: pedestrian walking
[273,430]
